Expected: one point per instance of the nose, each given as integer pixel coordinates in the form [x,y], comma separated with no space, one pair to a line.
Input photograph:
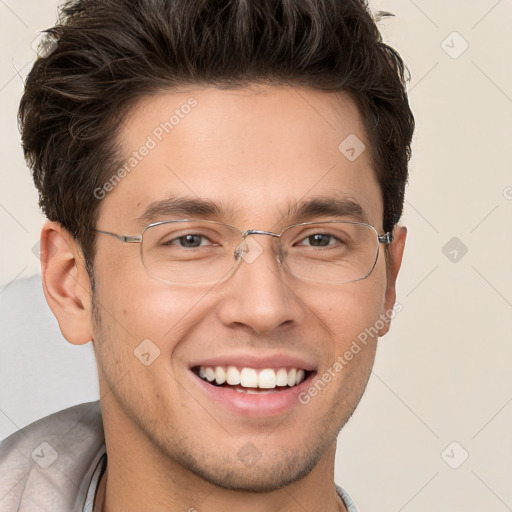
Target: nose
[259,296]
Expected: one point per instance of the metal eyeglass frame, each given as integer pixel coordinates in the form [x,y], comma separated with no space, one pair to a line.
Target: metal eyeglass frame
[386,239]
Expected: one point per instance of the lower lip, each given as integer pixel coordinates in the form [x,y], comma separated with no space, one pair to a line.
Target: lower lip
[255,405]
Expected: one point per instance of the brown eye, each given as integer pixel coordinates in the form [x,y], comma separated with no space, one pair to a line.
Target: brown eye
[189,241]
[319,240]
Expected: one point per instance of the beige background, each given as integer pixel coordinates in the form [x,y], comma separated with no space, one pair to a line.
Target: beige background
[443,374]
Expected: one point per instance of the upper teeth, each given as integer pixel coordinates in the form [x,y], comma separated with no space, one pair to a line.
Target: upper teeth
[267,378]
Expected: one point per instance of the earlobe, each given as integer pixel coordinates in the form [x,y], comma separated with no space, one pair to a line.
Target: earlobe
[66,283]
[395,254]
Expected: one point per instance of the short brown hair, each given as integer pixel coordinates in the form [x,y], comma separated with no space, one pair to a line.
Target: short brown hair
[110,53]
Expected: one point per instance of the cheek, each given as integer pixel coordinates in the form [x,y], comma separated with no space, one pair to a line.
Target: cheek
[142,325]
[147,309]
[135,307]
[349,309]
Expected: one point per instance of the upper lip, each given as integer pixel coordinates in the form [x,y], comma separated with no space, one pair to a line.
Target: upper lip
[260,361]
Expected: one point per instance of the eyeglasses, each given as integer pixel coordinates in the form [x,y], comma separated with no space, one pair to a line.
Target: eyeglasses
[204,252]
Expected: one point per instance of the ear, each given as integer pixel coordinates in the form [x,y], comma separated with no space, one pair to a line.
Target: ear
[395,253]
[66,283]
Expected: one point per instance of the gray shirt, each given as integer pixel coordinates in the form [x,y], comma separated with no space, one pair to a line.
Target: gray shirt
[56,463]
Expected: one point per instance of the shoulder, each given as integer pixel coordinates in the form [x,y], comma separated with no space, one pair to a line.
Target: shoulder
[47,463]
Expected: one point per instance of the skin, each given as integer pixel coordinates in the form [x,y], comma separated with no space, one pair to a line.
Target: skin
[169,448]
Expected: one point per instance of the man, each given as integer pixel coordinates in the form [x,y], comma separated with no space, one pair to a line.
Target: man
[223,183]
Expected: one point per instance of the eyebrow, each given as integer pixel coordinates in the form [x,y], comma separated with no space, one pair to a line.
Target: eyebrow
[181,207]
[339,207]
[303,211]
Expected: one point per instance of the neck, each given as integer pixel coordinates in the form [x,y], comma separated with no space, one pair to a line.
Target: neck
[111,497]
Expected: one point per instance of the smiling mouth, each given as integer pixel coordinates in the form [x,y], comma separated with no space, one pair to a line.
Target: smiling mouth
[252,380]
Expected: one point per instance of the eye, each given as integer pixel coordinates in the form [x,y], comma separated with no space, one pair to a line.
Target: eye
[319,240]
[190,241]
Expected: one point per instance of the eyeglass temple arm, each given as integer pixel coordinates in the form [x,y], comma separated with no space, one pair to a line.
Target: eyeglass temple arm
[386,238]
[129,239]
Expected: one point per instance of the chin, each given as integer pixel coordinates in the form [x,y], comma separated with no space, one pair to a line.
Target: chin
[257,477]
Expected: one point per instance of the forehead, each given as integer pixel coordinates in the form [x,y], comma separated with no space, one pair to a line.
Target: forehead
[253,152]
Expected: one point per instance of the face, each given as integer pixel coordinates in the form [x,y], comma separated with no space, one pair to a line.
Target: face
[254,153]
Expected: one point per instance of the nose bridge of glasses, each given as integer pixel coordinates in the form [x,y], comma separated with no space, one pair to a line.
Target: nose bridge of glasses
[249,249]
[259,232]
